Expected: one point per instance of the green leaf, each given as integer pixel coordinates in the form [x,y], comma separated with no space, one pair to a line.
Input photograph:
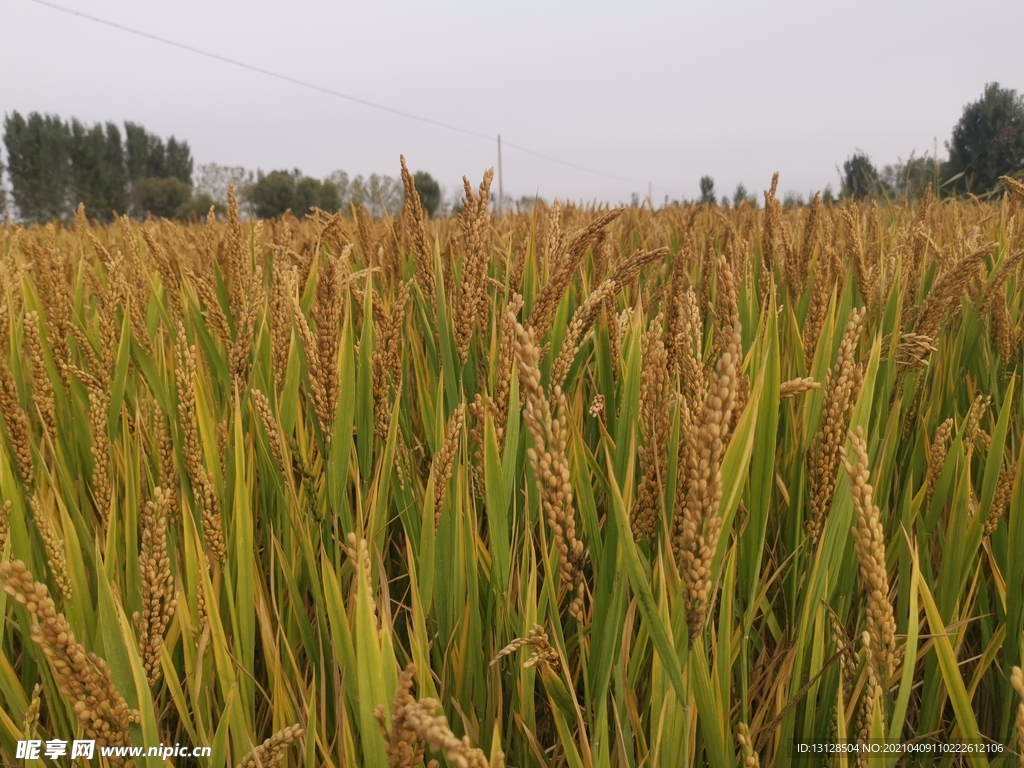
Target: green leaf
[120,376]
[639,581]
[966,722]
[497,510]
[369,668]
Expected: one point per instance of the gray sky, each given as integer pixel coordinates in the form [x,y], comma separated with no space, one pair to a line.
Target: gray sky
[659,92]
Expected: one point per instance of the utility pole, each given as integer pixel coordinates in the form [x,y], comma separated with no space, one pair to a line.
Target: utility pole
[501,185]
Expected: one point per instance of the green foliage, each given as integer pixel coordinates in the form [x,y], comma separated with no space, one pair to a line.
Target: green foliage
[278,191]
[178,160]
[707,190]
[909,180]
[160,176]
[860,178]
[740,196]
[98,173]
[137,151]
[307,195]
[272,194]
[378,194]
[198,206]
[429,191]
[148,157]
[55,165]
[987,142]
[38,165]
[162,197]
[312,193]
[330,198]
[793,200]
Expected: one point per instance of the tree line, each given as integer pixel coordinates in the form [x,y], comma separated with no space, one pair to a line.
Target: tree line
[986,143]
[54,165]
[274,193]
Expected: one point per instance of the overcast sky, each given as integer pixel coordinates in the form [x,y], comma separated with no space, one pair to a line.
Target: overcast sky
[649,92]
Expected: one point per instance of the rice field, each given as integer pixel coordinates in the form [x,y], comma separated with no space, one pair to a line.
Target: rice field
[568,487]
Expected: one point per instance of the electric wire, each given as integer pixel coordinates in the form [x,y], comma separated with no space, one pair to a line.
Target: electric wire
[325,90]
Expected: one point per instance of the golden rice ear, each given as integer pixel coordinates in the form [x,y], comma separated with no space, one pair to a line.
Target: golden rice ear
[444,461]
[272,751]
[56,560]
[697,522]
[841,391]
[869,541]
[157,584]
[550,465]
[1017,682]
[1015,186]
[747,754]
[654,427]
[469,300]
[795,387]
[82,677]
[414,219]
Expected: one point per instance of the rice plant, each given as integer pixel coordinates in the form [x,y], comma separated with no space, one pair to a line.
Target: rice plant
[569,487]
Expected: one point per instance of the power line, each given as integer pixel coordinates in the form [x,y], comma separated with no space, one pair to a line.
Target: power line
[322,89]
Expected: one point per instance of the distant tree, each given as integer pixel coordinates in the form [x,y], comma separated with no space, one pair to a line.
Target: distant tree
[3,192]
[198,206]
[910,179]
[272,194]
[341,182]
[987,143]
[146,154]
[380,194]
[707,190]
[313,193]
[860,177]
[792,200]
[178,160]
[429,191]
[38,164]
[163,197]
[307,195]
[136,151]
[390,193]
[740,196]
[213,180]
[156,158]
[148,158]
[330,197]
[98,173]
[827,195]
[55,165]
